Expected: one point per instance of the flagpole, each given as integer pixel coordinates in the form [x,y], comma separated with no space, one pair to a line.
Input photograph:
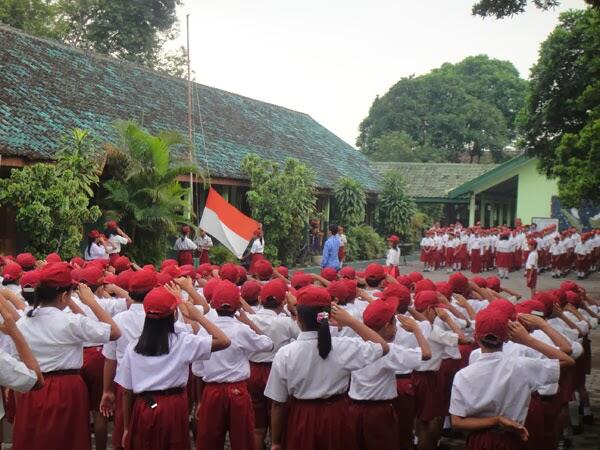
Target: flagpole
[190,132]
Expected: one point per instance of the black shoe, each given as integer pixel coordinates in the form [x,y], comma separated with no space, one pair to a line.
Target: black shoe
[588,420]
[577,430]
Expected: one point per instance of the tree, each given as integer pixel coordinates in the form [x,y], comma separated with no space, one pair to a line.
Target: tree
[145,195]
[456,112]
[52,201]
[282,198]
[506,8]
[395,209]
[559,122]
[350,202]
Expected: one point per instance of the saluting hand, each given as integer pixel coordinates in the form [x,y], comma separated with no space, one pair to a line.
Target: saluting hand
[517,332]
[408,323]
[340,316]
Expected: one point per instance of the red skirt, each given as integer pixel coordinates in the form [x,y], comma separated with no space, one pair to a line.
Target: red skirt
[342,253]
[465,354]
[405,410]
[503,260]
[579,374]
[475,261]
[259,375]
[185,257]
[565,385]
[427,396]
[255,257]
[445,377]
[92,373]
[321,424]
[55,417]
[225,407]
[532,278]
[164,426]
[375,424]
[494,440]
[204,259]
[449,256]
[392,270]
[423,257]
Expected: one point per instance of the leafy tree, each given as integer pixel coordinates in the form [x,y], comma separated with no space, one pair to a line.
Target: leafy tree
[395,209]
[560,119]
[145,196]
[350,202]
[52,201]
[282,198]
[506,8]
[33,16]
[460,110]
[364,243]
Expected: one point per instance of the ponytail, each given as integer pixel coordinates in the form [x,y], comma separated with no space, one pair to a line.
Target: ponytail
[45,294]
[316,318]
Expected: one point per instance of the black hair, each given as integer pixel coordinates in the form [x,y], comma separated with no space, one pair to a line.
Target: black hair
[333,228]
[270,303]
[503,237]
[45,294]
[252,302]
[394,245]
[6,282]
[402,309]
[491,342]
[225,312]
[110,232]
[154,340]
[138,296]
[308,316]
[28,294]
[372,282]
[89,244]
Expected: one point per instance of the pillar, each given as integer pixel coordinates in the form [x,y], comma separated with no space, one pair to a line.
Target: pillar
[472,206]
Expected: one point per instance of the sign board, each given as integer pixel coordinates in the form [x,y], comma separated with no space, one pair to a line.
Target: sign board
[544,222]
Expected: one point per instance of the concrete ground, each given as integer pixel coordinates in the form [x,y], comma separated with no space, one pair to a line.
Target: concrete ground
[590,439]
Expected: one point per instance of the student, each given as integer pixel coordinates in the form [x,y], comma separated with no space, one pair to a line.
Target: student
[57,416]
[427,251]
[117,238]
[11,275]
[282,330]
[225,405]
[343,243]
[504,255]
[531,266]
[557,249]
[257,250]
[204,243]
[451,249]
[490,397]
[475,250]
[373,388]
[185,247]
[392,261]
[310,376]
[155,369]
[97,246]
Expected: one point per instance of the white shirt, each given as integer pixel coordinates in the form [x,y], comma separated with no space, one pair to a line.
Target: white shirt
[56,337]
[439,341]
[377,381]
[184,243]
[300,372]
[96,251]
[231,365]
[406,339]
[14,375]
[496,384]
[204,243]
[504,246]
[140,373]
[112,306]
[343,240]
[532,260]
[581,249]
[117,240]
[393,257]
[131,323]
[281,330]
[257,246]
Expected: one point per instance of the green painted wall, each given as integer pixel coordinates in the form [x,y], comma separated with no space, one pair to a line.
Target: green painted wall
[534,193]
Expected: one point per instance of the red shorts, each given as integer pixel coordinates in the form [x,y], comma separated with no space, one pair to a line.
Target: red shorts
[55,417]
[405,410]
[375,424]
[427,396]
[259,374]
[92,373]
[494,440]
[164,426]
[445,377]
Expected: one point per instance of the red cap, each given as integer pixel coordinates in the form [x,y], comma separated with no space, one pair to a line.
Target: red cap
[124,278]
[121,263]
[573,298]
[102,263]
[274,289]
[12,271]
[505,307]
[209,288]
[160,303]
[163,278]
[283,271]
[379,312]
[263,269]
[329,273]
[188,270]
[394,238]
[339,291]
[242,275]
[111,225]
[301,279]
[459,283]
[168,262]
[493,283]
[314,296]
[94,234]
[398,291]
[111,278]
[426,299]
[404,280]
[444,288]
[347,272]
[229,272]
[569,286]
[560,295]
[53,257]
[414,277]
[77,261]
[226,296]
[548,300]
[172,271]
[528,306]
[532,243]
[26,260]
[30,279]
[250,291]
[92,275]
[480,281]
[142,281]
[204,269]
[375,272]
[424,285]
[491,325]
[56,275]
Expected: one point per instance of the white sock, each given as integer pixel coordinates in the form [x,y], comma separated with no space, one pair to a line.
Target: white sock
[574,413]
[447,423]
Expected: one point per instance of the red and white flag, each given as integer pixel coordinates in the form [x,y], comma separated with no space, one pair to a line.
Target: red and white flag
[225,223]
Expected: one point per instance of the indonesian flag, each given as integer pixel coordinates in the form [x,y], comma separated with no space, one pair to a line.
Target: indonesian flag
[225,223]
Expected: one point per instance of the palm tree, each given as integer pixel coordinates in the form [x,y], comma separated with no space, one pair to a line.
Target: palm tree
[145,194]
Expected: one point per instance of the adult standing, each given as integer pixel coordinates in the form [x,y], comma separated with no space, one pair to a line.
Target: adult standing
[117,237]
[204,243]
[343,242]
[185,247]
[331,249]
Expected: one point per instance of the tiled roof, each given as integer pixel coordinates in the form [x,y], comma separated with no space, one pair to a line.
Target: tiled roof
[47,88]
[432,180]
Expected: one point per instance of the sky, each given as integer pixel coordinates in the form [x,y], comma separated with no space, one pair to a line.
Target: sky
[330,58]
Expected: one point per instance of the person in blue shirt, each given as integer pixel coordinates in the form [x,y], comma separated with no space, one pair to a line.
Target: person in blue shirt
[331,249]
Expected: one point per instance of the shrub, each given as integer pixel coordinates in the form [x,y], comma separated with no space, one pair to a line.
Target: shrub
[220,254]
[350,202]
[364,243]
[395,209]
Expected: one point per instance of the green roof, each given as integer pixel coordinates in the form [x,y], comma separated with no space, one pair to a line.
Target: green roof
[432,181]
[47,88]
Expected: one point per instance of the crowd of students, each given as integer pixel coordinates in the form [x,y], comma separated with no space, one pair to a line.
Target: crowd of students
[339,360]
[485,249]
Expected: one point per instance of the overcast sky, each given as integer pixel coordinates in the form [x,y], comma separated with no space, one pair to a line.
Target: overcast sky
[330,58]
